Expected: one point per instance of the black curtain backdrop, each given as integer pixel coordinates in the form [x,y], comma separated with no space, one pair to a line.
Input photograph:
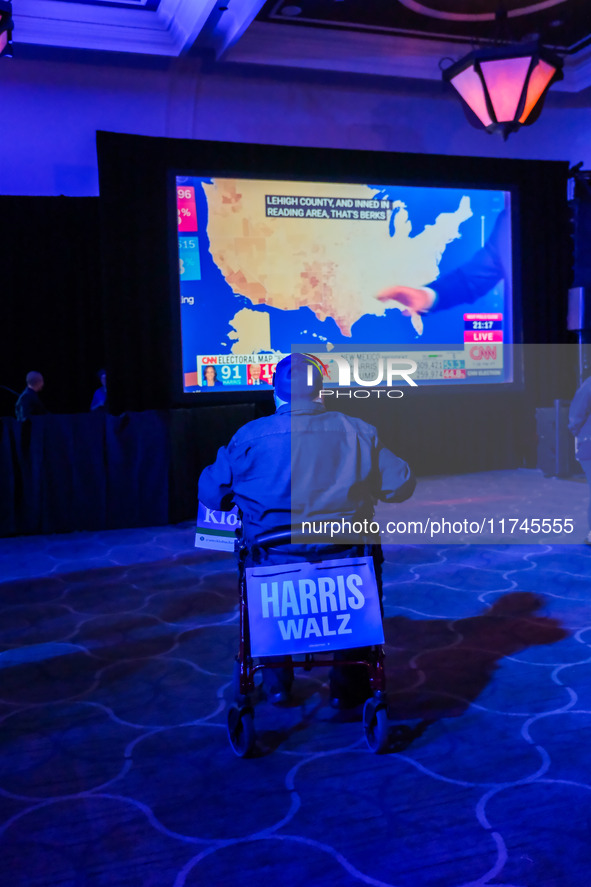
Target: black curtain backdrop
[94,471]
[51,310]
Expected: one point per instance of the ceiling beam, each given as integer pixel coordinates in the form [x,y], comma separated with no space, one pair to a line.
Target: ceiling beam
[169,30]
[364,53]
[185,19]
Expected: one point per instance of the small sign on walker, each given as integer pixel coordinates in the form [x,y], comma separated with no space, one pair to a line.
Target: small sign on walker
[313,608]
[216,530]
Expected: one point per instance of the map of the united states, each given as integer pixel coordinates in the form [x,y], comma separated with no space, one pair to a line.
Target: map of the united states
[336,266]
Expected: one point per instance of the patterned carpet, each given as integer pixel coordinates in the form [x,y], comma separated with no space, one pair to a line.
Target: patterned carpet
[115,670]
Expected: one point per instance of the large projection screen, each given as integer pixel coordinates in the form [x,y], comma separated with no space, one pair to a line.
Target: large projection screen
[266,266]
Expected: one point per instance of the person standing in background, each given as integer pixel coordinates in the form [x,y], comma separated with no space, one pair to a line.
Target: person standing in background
[99,398]
[579,424]
[29,403]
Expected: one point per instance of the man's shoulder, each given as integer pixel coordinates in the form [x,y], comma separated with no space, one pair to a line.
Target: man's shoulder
[351,422]
[256,429]
[27,396]
[334,421]
[282,423]
[25,405]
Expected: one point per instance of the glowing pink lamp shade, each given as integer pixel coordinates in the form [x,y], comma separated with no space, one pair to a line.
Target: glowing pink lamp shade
[504,88]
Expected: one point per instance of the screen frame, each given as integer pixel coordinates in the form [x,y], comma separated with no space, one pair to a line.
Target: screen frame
[142,343]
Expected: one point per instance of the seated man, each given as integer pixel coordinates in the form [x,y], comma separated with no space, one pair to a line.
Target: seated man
[305,463]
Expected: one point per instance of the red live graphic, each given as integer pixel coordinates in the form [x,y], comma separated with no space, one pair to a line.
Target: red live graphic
[483,336]
[186,211]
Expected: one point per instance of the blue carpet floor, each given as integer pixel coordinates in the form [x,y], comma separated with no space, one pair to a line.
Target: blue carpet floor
[116,653]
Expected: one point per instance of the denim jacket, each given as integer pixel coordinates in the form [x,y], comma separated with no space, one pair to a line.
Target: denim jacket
[304,463]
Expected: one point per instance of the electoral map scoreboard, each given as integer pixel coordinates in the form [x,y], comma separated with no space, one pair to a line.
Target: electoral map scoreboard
[482,356]
[234,370]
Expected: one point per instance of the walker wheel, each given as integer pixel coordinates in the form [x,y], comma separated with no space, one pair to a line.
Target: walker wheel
[375,726]
[241,730]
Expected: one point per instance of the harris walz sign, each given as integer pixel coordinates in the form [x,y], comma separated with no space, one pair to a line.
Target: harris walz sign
[313,608]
